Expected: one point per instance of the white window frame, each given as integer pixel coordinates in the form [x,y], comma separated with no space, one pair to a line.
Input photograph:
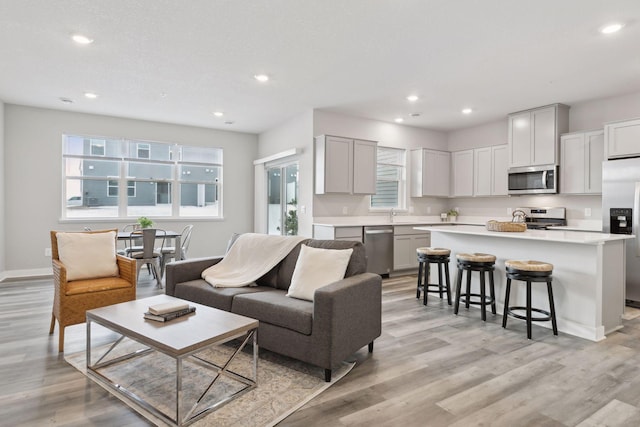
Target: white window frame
[402,182]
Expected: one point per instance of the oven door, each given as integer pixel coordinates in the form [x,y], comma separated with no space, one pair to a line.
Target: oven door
[533,180]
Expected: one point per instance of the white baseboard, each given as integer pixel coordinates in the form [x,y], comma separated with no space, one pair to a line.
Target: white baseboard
[35,273]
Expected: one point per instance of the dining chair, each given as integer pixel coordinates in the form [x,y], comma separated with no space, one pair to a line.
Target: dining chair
[169,252]
[148,255]
[134,245]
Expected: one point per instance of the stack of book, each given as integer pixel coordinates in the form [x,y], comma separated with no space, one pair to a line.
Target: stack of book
[168,311]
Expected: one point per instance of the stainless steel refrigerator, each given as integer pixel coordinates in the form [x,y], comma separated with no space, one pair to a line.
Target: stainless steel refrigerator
[621,214]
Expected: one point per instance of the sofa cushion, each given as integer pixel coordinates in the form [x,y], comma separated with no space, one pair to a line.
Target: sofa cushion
[221,298]
[272,306]
[287,266]
[358,261]
[316,268]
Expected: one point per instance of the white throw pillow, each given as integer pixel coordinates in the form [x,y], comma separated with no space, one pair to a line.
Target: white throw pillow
[88,255]
[316,268]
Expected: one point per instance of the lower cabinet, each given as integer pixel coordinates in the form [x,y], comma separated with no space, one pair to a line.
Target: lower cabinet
[405,242]
[329,232]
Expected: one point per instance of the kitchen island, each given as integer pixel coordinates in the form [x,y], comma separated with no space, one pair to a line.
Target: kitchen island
[588,273]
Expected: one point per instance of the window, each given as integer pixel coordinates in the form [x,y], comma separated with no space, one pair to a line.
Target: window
[390,180]
[108,177]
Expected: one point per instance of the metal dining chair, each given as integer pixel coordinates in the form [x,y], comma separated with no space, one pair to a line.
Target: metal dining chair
[169,252]
[149,255]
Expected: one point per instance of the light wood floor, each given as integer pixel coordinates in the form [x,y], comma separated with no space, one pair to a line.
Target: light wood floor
[429,368]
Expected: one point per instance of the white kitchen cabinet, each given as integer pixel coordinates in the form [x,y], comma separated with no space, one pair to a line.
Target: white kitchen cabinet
[462,173]
[405,242]
[430,171]
[534,135]
[622,139]
[490,170]
[330,232]
[345,165]
[582,154]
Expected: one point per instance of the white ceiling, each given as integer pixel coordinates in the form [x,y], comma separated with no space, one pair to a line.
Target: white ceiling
[357,57]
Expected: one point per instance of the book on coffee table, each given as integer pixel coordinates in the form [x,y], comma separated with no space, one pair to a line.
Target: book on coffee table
[168,307]
[165,317]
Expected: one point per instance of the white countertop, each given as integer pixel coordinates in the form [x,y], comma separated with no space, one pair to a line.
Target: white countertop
[564,236]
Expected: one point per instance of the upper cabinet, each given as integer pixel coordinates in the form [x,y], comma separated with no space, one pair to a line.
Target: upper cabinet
[490,166]
[345,165]
[622,139]
[430,173]
[462,173]
[582,154]
[534,135]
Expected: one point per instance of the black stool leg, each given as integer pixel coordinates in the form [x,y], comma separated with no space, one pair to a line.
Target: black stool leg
[458,290]
[529,309]
[552,309]
[506,304]
[425,289]
[440,279]
[419,278]
[483,306]
[492,292]
[446,275]
[468,288]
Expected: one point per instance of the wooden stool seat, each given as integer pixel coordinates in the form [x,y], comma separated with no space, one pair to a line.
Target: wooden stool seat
[529,272]
[476,257]
[433,251]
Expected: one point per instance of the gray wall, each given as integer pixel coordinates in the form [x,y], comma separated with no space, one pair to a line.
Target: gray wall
[3,205]
[34,185]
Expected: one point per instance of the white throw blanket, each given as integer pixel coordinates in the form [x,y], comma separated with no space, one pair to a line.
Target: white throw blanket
[251,257]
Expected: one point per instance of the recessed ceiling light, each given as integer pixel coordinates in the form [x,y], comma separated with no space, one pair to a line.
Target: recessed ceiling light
[81,39]
[261,77]
[398,120]
[218,114]
[66,100]
[611,28]
[91,95]
[412,98]
[467,111]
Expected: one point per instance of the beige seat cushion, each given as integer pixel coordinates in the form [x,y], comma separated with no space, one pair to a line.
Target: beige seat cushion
[433,251]
[476,257]
[529,265]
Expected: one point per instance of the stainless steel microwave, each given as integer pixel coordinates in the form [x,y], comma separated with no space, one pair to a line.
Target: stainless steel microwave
[533,180]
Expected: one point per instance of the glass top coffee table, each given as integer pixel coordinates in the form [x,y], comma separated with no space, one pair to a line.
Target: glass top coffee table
[179,339]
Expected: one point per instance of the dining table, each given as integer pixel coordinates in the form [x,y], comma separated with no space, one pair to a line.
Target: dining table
[168,234]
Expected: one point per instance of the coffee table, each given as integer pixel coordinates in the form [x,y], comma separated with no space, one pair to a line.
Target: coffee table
[180,339]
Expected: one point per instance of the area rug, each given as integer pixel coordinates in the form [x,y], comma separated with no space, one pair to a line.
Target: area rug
[284,384]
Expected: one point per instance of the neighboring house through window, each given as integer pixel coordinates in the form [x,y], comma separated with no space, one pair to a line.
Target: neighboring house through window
[390,179]
[109,177]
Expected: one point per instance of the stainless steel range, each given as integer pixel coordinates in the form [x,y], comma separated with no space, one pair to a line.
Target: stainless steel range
[542,218]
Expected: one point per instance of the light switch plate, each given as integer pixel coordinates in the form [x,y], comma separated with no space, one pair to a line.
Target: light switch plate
[345,210]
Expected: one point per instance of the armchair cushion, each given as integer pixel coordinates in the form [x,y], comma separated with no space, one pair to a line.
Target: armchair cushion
[88,255]
[96,285]
[317,268]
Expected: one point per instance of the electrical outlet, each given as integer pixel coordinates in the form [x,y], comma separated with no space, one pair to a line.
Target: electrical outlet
[428,209]
[587,212]
[509,211]
[47,251]
[345,210]
[303,209]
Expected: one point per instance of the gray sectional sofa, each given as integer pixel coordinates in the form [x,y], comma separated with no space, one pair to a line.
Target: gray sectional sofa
[343,317]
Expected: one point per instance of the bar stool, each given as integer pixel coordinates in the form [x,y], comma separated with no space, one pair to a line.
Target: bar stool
[426,257]
[529,271]
[485,264]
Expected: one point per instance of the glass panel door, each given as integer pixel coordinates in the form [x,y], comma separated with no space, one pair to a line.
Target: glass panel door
[282,200]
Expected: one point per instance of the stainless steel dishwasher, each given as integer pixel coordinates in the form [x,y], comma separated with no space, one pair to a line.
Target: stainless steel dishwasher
[378,243]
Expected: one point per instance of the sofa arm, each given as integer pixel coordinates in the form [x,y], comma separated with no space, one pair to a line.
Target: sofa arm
[348,314]
[186,270]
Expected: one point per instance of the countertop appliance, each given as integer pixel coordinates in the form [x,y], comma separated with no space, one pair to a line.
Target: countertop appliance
[543,218]
[533,180]
[620,211]
[378,243]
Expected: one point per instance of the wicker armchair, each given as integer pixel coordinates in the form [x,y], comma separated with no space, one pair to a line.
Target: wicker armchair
[72,299]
